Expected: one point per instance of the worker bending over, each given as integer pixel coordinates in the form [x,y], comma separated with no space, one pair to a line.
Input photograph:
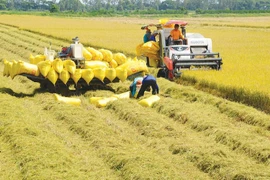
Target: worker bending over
[141,84]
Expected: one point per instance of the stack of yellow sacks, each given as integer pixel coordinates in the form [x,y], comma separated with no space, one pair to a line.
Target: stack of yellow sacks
[149,49]
[13,68]
[100,64]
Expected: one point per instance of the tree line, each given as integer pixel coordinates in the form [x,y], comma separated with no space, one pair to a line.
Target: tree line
[139,6]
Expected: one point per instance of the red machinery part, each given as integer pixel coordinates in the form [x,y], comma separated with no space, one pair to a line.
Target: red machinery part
[168,62]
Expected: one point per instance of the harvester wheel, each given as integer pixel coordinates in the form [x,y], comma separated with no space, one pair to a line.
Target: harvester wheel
[165,73]
[162,73]
[177,73]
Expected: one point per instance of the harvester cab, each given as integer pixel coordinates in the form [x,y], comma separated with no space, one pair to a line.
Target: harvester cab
[74,52]
[173,56]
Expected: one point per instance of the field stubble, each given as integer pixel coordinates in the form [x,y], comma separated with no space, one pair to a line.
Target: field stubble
[241,41]
[188,134]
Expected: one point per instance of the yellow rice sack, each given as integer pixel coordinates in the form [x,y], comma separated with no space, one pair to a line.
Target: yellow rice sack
[139,49]
[113,64]
[87,75]
[104,101]
[153,62]
[99,73]
[94,100]
[52,76]
[44,67]
[110,73]
[123,66]
[70,66]
[134,59]
[77,75]
[24,67]
[96,64]
[58,65]
[9,67]
[136,66]
[6,68]
[120,58]
[96,55]
[124,95]
[107,55]
[32,59]
[37,58]
[148,102]
[121,74]
[150,48]
[163,21]
[64,76]
[14,69]
[87,55]
[68,100]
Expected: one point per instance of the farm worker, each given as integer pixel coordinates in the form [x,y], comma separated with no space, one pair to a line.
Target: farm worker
[153,36]
[135,86]
[141,84]
[147,35]
[146,38]
[176,34]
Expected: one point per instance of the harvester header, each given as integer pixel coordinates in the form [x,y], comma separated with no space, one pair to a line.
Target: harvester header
[76,69]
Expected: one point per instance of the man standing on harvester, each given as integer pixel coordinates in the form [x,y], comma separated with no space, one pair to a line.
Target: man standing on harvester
[140,85]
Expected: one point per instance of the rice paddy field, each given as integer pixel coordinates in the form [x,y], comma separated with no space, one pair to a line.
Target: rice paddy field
[188,134]
[241,41]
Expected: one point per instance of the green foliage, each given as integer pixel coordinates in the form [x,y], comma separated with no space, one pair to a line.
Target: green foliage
[54,8]
[130,6]
[3,6]
[199,11]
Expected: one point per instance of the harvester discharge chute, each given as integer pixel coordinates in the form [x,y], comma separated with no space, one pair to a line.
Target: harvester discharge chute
[172,56]
[76,69]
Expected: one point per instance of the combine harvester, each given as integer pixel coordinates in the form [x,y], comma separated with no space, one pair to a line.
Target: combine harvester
[76,69]
[171,58]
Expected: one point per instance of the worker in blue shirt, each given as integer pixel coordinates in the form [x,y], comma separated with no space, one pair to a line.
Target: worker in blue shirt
[147,36]
[153,36]
[140,85]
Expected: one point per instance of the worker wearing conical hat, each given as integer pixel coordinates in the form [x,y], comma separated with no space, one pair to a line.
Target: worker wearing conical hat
[141,84]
